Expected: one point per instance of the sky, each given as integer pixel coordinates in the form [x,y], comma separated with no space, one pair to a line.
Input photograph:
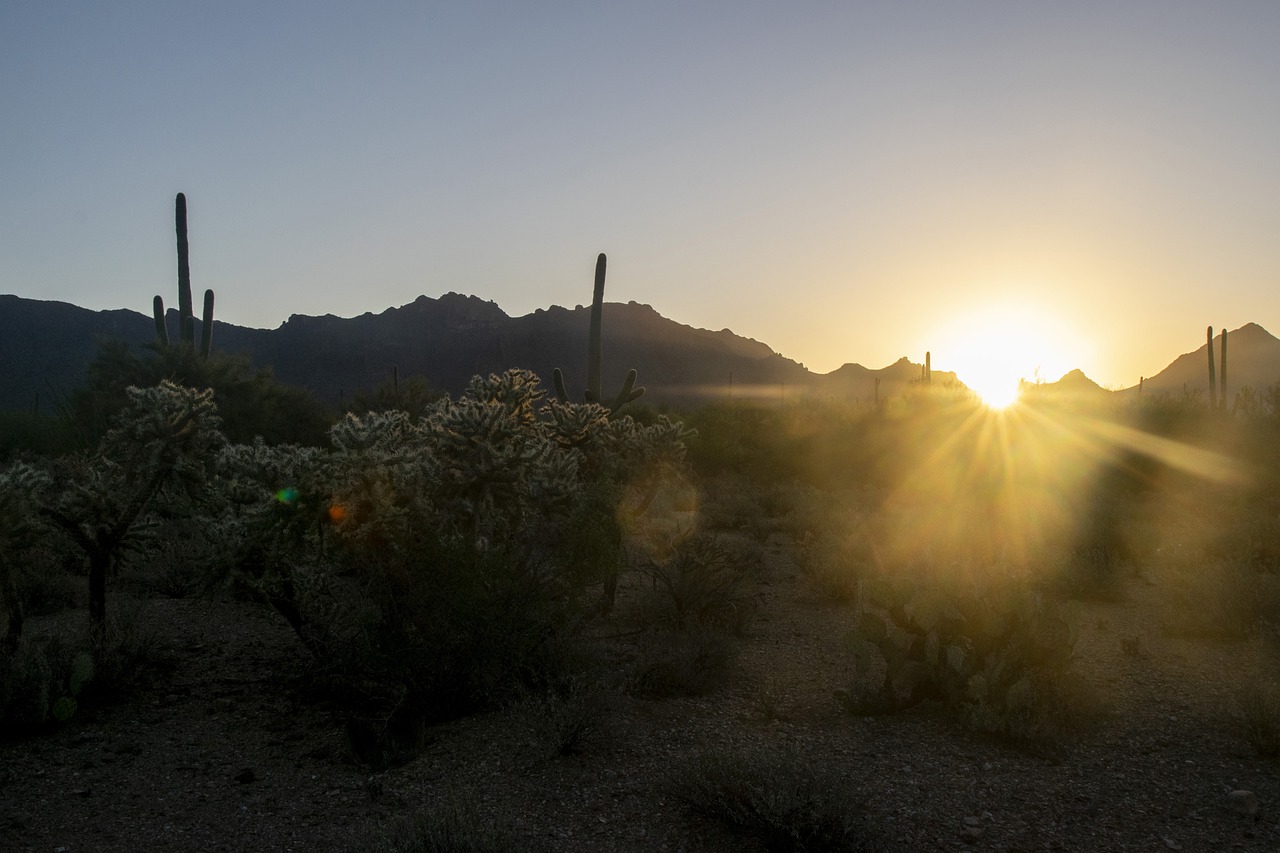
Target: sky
[1042,186]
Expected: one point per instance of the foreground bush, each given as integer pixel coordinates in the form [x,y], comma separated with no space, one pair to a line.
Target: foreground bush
[783,804]
[451,826]
[436,565]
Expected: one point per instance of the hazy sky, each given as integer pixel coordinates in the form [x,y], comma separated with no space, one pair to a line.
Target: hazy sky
[843,181]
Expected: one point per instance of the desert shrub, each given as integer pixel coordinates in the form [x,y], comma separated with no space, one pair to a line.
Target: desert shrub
[808,512]
[126,649]
[742,438]
[1217,599]
[251,403]
[785,805]
[732,504]
[831,565]
[33,434]
[414,396]
[1258,717]
[53,672]
[692,661]
[452,825]
[698,579]
[185,558]
[44,584]
[565,716]
[1091,572]
[41,683]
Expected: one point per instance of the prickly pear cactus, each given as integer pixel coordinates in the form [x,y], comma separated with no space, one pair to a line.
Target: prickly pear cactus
[979,645]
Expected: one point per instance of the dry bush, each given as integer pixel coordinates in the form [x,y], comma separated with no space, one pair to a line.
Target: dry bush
[1217,600]
[785,805]
[689,662]
[833,566]
[1258,717]
[564,720]
[453,825]
[704,580]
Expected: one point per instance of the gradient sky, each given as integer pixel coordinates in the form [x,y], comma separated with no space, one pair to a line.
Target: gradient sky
[847,182]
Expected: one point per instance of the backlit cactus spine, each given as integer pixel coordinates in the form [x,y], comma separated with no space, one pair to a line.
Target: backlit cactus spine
[593,394]
[186,312]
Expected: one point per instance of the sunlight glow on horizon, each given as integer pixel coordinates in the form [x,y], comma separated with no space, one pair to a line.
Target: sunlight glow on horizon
[994,349]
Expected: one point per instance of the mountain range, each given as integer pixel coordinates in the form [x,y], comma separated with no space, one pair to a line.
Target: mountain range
[45,348]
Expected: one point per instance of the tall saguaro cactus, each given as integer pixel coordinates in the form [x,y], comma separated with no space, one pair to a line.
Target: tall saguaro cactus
[1222,384]
[593,394]
[186,311]
[1213,379]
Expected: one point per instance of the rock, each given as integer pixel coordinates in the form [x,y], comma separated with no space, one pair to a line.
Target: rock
[971,835]
[1170,843]
[972,821]
[1243,802]
[245,776]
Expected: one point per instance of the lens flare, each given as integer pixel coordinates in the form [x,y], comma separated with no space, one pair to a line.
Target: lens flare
[287,495]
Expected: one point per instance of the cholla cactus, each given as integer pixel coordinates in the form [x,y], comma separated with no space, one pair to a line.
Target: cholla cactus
[18,487]
[166,438]
[395,553]
[498,465]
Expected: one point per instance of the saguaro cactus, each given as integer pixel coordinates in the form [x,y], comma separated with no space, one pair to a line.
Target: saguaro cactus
[1213,379]
[593,395]
[186,312]
[1222,384]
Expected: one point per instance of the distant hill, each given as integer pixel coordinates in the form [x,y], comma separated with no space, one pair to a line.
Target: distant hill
[1073,386]
[1253,359]
[47,346]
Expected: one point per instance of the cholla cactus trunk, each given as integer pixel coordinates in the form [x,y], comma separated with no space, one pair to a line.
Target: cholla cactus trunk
[1213,379]
[11,610]
[1222,385]
[186,311]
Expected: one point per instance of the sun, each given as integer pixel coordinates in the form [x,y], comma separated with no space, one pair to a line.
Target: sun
[994,349]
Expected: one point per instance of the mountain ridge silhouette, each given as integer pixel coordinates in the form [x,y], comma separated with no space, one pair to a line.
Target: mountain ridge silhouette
[48,345]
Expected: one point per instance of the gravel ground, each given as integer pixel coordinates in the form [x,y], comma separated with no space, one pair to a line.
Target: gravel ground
[223,753]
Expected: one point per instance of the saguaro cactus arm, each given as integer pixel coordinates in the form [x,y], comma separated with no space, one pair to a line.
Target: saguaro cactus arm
[162,332]
[206,325]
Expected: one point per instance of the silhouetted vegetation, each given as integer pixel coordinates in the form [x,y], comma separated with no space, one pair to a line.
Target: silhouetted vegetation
[436,556]
[250,402]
